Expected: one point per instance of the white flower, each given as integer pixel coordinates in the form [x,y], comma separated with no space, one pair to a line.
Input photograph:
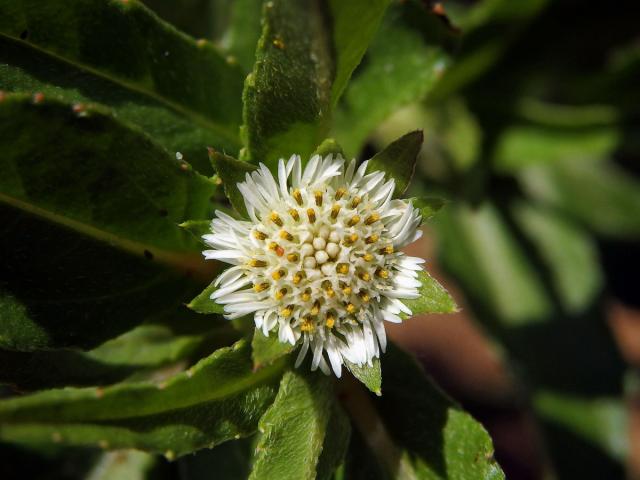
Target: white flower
[319,262]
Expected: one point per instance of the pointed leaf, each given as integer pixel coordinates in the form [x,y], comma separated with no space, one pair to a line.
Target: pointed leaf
[265,350]
[329,147]
[290,448]
[181,92]
[216,400]
[370,376]
[354,25]
[428,206]
[231,172]
[398,160]
[287,97]
[433,298]
[241,38]
[69,180]
[203,302]
[197,228]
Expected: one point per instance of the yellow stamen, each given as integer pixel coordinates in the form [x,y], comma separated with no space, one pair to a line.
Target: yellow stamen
[382,273]
[368,257]
[373,218]
[294,214]
[260,287]
[388,250]
[335,210]
[316,308]
[331,321]
[257,263]
[354,220]
[343,268]
[307,325]
[340,193]
[306,296]
[273,246]
[286,312]
[278,274]
[365,276]
[347,290]
[372,238]
[350,307]
[356,201]
[364,296]
[318,196]
[259,235]
[281,293]
[311,213]
[275,218]
[286,235]
[330,292]
[293,257]
[298,196]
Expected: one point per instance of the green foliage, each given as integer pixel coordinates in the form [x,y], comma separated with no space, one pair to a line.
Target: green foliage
[370,376]
[433,297]
[266,350]
[220,396]
[231,172]
[398,160]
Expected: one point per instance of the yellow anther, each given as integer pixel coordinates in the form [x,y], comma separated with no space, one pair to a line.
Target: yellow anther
[273,246]
[260,287]
[311,213]
[278,274]
[356,201]
[286,235]
[351,308]
[382,273]
[353,237]
[347,290]
[297,278]
[343,268]
[340,193]
[298,196]
[388,249]
[368,257]
[293,257]
[257,263]
[259,235]
[275,218]
[294,214]
[306,295]
[364,296]
[331,321]
[287,311]
[335,210]
[372,238]
[307,325]
[373,218]
[316,308]
[365,276]
[318,196]
[281,293]
[330,292]
[353,221]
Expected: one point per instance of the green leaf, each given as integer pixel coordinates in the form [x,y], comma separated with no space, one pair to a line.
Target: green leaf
[405,60]
[600,421]
[266,350]
[571,256]
[287,98]
[433,298]
[398,160]
[428,206]
[216,400]
[354,26]
[329,147]
[113,249]
[231,172]
[197,228]
[370,376]
[203,302]
[127,464]
[181,92]
[241,38]
[414,431]
[610,206]
[290,448]
[436,436]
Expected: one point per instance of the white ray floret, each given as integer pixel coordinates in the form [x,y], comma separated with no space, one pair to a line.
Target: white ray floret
[319,262]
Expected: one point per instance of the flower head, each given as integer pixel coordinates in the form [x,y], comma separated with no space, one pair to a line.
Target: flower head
[319,261]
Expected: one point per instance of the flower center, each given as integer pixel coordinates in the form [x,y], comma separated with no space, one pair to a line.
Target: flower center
[323,254]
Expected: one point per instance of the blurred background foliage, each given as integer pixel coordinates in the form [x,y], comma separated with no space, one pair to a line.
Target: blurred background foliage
[531,117]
